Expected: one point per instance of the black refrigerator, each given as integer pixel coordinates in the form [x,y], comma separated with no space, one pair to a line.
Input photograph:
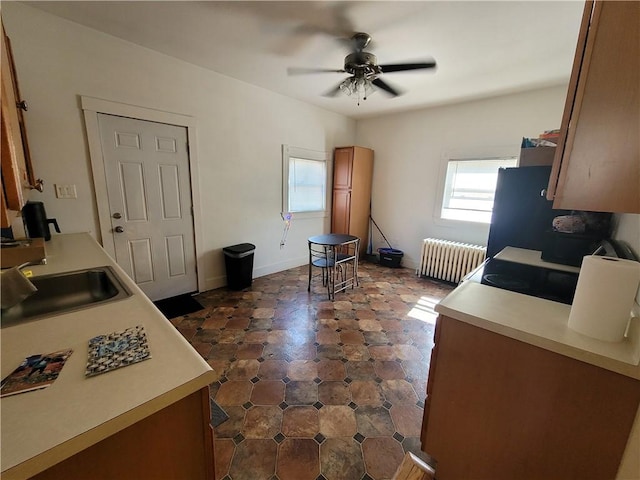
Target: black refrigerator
[521,213]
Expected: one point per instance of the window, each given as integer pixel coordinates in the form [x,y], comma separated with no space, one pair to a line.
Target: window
[305,176]
[470,186]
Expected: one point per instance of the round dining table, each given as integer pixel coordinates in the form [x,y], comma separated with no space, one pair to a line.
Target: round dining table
[332,241]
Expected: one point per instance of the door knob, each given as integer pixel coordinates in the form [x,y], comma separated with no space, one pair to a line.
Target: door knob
[119,229]
[117,215]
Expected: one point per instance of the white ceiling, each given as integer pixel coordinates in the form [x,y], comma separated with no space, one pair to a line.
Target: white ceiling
[482,48]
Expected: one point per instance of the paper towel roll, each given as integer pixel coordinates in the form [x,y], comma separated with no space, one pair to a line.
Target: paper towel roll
[604,297]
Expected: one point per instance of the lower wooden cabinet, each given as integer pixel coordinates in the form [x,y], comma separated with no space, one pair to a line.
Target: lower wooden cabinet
[498,408]
[174,443]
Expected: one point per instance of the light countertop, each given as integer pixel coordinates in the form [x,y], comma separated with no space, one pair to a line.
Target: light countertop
[532,257]
[43,427]
[542,323]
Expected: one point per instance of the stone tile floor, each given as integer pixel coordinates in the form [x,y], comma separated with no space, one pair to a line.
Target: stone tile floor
[317,389]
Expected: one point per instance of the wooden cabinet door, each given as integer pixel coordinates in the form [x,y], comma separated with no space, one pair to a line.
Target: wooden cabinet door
[175,442]
[343,168]
[352,177]
[341,211]
[14,169]
[502,409]
[361,179]
[17,173]
[597,166]
[5,218]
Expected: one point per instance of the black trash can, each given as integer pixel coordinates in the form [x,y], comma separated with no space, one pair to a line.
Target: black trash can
[390,257]
[238,260]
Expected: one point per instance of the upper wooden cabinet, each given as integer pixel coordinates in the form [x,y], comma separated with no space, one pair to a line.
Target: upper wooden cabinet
[597,162]
[352,176]
[17,173]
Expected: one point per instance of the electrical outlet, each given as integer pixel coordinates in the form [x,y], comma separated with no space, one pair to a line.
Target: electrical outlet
[66,191]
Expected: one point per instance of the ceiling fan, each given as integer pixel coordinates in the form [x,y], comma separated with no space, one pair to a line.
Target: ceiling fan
[364,71]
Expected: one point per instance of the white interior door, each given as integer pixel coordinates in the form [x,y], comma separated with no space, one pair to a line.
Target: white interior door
[147,174]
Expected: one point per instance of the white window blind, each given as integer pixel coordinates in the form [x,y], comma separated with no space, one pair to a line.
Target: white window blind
[305,176]
[307,185]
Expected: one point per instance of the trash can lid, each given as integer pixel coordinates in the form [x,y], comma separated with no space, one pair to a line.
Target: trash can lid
[239,248]
[390,251]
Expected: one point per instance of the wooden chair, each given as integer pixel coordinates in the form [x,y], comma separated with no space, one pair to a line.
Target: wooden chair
[412,468]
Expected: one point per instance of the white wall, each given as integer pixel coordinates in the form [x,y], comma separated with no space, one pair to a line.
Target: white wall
[627,229]
[240,132]
[409,152]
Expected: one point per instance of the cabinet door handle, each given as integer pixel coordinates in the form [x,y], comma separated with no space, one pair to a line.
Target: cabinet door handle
[22,105]
[38,185]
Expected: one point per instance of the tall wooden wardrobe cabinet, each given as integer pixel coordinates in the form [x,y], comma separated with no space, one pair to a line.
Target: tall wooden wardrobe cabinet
[352,176]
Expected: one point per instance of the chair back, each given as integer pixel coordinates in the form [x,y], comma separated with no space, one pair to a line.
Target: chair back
[321,255]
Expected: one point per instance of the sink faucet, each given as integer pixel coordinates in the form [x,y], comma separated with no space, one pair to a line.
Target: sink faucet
[15,286]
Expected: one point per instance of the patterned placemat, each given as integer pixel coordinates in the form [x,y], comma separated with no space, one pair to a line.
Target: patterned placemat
[117,349]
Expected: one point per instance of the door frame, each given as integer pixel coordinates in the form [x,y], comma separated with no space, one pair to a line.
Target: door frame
[91,108]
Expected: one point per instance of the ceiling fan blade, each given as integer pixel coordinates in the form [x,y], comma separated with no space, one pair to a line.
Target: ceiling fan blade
[386,87]
[400,67]
[333,92]
[304,71]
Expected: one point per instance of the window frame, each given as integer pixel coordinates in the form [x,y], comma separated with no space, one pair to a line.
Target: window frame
[496,153]
[289,152]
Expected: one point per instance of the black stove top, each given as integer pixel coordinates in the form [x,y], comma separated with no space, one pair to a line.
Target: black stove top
[555,285]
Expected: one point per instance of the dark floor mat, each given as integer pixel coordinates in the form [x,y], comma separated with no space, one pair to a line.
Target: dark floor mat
[218,415]
[177,306]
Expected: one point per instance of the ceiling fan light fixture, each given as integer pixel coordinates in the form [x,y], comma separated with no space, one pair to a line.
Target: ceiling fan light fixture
[359,87]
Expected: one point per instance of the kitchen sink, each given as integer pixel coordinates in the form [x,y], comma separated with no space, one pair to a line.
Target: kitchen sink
[68,291]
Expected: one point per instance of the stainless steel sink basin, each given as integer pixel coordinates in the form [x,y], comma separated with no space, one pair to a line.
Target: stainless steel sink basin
[65,292]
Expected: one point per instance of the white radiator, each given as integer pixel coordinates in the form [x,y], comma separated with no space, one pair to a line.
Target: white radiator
[447,260]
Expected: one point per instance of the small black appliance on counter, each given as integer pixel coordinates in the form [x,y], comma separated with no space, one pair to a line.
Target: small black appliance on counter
[36,221]
[568,248]
[546,280]
[569,243]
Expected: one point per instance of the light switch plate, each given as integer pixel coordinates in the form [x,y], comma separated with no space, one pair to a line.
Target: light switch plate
[66,191]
